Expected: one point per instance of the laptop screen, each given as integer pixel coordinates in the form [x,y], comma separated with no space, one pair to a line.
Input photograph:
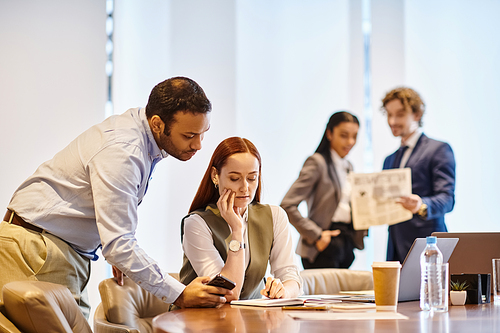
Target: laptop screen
[474,251]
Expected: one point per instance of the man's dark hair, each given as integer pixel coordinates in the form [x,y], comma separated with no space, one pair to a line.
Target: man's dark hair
[174,95]
[409,98]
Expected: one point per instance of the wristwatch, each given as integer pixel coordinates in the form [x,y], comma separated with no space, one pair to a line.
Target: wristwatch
[422,211]
[235,246]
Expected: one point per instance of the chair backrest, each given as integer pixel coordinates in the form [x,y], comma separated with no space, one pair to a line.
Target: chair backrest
[130,305]
[330,281]
[36,306]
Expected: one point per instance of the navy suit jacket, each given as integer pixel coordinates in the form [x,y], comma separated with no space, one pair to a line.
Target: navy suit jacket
[432,166]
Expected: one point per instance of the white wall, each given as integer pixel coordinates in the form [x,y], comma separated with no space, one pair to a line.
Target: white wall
[454,61]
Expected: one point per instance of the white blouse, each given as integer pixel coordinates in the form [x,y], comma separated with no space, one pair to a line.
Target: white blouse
[206,261]
[343,211]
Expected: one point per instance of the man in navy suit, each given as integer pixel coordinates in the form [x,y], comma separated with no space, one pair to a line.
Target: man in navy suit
[432,171]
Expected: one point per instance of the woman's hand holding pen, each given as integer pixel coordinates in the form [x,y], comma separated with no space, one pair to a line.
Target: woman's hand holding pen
[274,288]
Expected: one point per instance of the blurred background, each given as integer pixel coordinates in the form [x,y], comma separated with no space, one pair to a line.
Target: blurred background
[274,70]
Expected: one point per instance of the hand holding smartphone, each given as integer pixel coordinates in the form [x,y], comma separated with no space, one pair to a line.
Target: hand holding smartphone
[222,282]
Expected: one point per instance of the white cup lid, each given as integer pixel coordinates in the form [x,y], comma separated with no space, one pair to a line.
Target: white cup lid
[387,264]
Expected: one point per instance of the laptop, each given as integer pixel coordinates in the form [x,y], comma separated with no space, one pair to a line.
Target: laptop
[474,251]
[409,281]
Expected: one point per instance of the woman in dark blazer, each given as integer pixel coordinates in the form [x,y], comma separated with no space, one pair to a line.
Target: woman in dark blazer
[327,238]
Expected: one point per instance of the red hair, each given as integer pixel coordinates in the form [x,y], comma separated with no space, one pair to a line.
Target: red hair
[207,193]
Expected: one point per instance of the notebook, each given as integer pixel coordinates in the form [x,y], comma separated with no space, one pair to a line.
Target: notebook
[409,281]
[474,251]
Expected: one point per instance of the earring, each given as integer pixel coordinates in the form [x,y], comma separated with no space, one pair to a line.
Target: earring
[216,184]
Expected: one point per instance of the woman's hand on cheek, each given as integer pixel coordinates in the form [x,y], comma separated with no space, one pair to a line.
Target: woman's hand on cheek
[227,210]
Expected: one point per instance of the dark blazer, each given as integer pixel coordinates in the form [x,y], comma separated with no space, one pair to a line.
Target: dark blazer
[432,166]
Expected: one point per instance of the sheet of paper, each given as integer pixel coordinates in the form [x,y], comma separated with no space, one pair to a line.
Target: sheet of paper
[315,315]
[268,302]
[339,305]
[374,195]
[358,292]
[310,301]
[321,297]
[352,306]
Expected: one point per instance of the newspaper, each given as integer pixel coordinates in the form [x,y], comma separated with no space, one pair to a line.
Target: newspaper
[373,197]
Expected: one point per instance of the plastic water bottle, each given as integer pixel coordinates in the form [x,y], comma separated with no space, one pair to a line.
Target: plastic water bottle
[430,279]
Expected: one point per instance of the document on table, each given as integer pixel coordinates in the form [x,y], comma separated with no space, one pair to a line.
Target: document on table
[315,315]
[341,302]
[334,306]
[374,195]
[358,292]
[269,302]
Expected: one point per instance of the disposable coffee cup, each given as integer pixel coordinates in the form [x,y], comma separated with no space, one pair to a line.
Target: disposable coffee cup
[496,279]
[386,284]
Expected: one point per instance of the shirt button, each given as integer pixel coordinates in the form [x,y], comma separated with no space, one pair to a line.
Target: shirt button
[164,298]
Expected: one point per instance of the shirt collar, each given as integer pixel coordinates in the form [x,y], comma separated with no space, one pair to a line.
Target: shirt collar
[338,160]
[154,151]
[412,140]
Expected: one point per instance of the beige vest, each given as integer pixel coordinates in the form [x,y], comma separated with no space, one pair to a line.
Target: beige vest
[260,239]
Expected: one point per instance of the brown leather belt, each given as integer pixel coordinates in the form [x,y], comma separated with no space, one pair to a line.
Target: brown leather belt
[17,220]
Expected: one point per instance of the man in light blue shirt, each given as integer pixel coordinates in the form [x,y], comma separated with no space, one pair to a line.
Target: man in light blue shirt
[87,195]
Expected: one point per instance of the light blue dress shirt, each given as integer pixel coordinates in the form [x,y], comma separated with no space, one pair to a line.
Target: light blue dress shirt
[88,194]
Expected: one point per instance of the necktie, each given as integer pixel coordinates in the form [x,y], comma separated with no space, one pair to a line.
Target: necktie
[399,156]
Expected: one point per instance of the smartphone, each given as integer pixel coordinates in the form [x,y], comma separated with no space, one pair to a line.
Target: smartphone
[222,281]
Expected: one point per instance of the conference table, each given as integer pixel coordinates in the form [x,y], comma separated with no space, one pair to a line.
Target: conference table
[473,318]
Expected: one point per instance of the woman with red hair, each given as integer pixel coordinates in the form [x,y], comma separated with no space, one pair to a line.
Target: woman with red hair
[230,232]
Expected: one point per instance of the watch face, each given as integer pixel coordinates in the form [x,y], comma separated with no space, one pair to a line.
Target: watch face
[234,245]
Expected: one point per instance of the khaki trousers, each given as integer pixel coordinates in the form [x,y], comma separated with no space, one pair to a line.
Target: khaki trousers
[33,256]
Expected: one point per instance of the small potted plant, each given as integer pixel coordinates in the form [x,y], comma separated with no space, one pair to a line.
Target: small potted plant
[458,293]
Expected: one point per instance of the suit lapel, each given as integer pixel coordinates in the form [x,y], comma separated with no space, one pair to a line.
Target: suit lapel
[336,182]
[417,152]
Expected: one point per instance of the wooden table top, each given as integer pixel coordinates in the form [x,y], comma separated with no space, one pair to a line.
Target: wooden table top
[469,318]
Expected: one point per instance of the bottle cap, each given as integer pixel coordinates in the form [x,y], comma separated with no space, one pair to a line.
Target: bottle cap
[431,240]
